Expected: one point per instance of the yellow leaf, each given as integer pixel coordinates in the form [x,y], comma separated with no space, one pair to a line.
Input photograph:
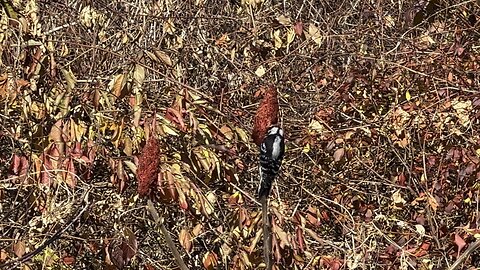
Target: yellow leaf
[169,27]
[285,21]
[243,135]
[276,39]
[315,34]
[306,148]
[389,21]
[408,96]
[164,57]
[212,199]
[290,35]
[116,84]
[260,71]
[70,78]
[427,39]
[316,126]
[169,130]
[139,74]
[152,56]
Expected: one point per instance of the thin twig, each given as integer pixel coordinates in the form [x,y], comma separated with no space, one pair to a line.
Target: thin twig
[25,258]
[159,221]
[471,248]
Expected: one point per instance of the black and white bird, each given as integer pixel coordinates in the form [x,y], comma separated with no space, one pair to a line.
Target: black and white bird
[272,150]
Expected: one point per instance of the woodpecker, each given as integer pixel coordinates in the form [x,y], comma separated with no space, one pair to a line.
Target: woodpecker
[272,150]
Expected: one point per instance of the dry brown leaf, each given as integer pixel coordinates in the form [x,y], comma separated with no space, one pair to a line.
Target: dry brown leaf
[163,57]
[117,84]
[69,78]
[210,260]
[338,155]
[70,174]
[139,74]
[19,248]
[298,28]
[253,245]
[3,255]
[185,240]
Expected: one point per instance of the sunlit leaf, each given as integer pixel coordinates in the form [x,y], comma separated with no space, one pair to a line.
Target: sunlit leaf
[168,130]
[283,20]
[290,35]
[117,84]
[260,71]
[169,27]
[139,74]
[243,135]
[210,260]
[408,96]
[69,78]
[163,57]
[315,34]
[277,40]
[185,240]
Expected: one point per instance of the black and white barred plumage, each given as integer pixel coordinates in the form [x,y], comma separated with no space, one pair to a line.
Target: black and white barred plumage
[272,150]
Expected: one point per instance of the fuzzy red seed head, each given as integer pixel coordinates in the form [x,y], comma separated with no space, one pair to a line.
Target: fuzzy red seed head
[267,114]
[148,166]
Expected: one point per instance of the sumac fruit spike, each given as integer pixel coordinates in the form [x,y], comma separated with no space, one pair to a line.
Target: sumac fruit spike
[148,166]
[267,114]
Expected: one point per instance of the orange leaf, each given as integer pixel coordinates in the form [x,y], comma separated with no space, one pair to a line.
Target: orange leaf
[185,240]
[210,260]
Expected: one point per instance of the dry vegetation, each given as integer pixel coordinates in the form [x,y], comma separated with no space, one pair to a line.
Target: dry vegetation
[379,99]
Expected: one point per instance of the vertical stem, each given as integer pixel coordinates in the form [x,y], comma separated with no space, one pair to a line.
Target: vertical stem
[267,236]
[159,220]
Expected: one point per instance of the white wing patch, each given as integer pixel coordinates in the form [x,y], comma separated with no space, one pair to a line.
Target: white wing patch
[276,148]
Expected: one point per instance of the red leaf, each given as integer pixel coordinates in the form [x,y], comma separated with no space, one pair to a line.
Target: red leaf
[15,167]
[298,28]
[176,117]
[460,243]
[70,174]
[69,260]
